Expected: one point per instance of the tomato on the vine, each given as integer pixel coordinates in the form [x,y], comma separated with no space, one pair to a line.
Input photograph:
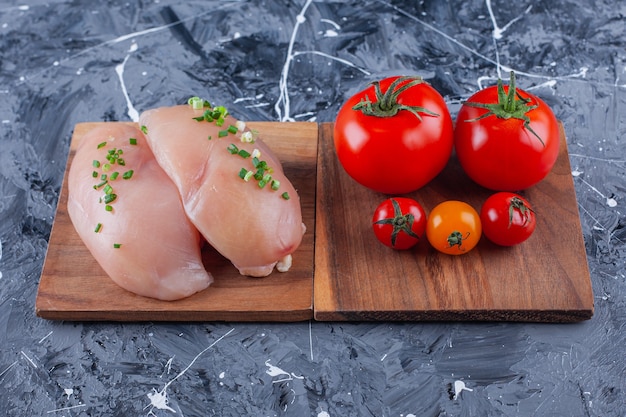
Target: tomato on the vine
[505,138]
[394,136]
[453,227]
[399,222]
[507,219]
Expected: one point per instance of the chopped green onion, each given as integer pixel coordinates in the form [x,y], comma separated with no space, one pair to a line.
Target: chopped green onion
[247,137]
[117,245]
[232,129]
[285,195]
[144,129]
[233,149]
[114,176]
[197,103]
[209,137]
[108,189]
[103,183]
[245,175]
[244,154]
[132,141]
[275,185]
[102,145]
[103,177]
[96,164]
[109,198]
[128,174]
[98,228]
[94,174]
[106,167]
[222,133]
[121,162]
[108,207]
[263,182]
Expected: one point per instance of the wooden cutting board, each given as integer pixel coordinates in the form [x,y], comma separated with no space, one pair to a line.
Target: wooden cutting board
[341,272]
[74,287]
[544,279]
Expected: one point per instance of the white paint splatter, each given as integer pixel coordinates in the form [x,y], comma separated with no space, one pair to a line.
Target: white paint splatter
[331,22]
[119,69]
[34,365]
[283,98]
[56,410]
[459,386]
[7,370]
[45,337]
[276,371]
[610,201]
[311,340]
[498,31]
[323,414]
[159,399]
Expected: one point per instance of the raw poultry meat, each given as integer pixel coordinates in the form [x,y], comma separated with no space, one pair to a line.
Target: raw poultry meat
[233,188]
[133,222]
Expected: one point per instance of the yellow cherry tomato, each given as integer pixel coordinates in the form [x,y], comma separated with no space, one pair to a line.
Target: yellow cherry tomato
[453,227]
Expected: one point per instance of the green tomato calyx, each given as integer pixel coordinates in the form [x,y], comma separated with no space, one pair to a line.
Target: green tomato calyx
[510,105]
[386,103]
[518,204]
[456,238]
[400,223]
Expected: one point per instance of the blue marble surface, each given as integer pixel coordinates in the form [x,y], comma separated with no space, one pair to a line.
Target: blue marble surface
[65,62]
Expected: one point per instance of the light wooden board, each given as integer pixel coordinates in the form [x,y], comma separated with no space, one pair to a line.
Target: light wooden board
[545,279]
[74,287]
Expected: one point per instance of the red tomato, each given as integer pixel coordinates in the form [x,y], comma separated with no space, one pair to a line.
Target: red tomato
[394,136]
[399,222]
[453,227]
[507,219]
[505,138]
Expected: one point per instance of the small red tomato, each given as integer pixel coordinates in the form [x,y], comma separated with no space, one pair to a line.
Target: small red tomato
[399,222]
[507,219]
[453,227]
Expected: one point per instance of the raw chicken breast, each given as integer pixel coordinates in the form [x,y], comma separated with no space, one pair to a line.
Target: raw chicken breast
[253,227]
[159,249]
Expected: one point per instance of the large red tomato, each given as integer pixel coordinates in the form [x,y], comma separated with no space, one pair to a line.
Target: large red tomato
[395,136]
[505,138]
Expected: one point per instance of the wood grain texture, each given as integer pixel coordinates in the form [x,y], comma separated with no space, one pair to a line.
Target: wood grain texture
[545,279]
[74,287]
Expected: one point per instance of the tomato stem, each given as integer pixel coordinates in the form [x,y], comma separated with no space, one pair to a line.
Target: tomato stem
[386,103]
[510,105]
[518,204]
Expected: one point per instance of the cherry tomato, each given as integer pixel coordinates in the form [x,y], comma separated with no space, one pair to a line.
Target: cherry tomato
[505,138]
[507,219]
[394,136]
[399,222]
[453,227]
